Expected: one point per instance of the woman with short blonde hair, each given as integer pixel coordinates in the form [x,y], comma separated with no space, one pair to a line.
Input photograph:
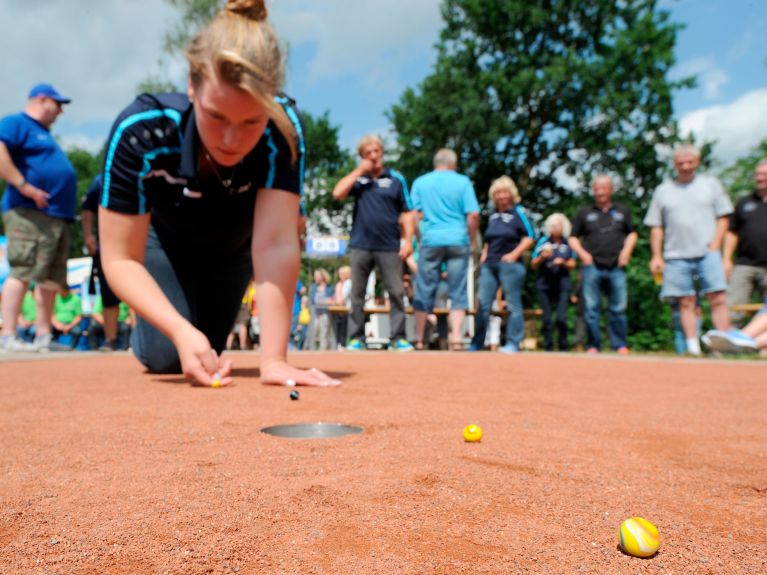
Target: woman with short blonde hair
[508,235]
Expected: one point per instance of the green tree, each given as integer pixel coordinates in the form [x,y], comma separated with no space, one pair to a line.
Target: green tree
[738,178]
[551,92]
[326,163]
[546,91]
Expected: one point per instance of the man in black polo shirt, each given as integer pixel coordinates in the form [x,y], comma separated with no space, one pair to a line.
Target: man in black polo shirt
[382,206]
[604,238]
[748,233]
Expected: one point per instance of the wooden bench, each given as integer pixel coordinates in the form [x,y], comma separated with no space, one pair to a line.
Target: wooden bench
[747,308]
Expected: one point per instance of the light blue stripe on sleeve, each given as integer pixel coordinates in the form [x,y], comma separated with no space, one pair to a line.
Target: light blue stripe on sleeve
[300,133]
[272,157]
[148,157]
[523,217]
[405,191]
[539,245]
[124,125]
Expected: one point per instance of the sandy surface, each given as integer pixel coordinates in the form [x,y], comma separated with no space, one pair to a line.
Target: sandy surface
[105,469]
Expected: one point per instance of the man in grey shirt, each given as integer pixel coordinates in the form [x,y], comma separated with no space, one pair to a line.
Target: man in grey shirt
[689,218]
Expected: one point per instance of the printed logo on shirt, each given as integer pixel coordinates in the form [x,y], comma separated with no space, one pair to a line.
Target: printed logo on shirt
[363,180]
[505,218]
[592,217]
[617,216]
[748,207]
[384,183]
[43,137]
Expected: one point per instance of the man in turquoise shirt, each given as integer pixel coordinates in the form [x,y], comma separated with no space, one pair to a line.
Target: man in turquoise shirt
[449,217]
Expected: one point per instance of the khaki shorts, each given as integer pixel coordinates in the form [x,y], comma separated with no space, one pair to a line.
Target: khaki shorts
[38,246]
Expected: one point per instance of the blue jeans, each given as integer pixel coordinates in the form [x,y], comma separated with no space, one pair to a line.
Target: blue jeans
[456,259]
[510,276]
[206,289]
[611,281]
[680,274]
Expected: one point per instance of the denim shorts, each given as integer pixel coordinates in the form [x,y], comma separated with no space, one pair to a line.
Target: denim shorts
[680,275]
[456,259]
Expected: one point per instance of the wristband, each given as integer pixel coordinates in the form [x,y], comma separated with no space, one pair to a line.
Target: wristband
[23,183]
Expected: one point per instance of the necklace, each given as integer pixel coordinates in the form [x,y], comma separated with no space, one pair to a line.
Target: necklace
[226,182]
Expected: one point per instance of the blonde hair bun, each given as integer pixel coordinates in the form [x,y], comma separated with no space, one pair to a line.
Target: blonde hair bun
[251,9]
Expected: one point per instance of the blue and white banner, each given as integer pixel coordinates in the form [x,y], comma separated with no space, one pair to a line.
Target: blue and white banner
[5,269]
[326,247]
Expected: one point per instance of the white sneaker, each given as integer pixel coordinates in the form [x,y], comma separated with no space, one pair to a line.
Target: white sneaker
[12,343]
[732,341]
[42,343]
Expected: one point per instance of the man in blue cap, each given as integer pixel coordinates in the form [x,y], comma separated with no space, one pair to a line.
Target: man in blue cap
[38,205]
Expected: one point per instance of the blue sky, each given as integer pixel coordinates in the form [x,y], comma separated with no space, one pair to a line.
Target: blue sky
[352,58]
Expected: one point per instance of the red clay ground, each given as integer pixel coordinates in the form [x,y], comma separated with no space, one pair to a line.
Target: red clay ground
[105,469]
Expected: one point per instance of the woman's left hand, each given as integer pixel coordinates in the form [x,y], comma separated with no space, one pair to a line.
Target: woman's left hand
[509,258]
[280,373]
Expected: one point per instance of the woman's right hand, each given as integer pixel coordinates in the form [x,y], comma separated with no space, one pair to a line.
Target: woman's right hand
[199,361]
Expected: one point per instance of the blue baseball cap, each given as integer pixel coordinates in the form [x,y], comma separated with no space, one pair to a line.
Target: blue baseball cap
[48,91]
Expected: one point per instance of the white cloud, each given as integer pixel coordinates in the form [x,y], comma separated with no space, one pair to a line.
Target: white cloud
[91,143]
[710,76]
[95,52]
[736,127]
[365,36]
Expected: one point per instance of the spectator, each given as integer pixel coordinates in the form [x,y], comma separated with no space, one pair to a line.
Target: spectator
[294,323]
[38,205]
[342,297]
[201,192]
[321,295]
[688,218]
[382,236]
[751,338]
[241,326]
[508,236]
[304,320]
[97,329]
[554,259]
[748,233]
[28,316]
[603,238]
[67,317]
[449,217]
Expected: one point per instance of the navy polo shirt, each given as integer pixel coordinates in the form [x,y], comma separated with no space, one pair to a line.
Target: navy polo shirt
[42,162]
[603,233]
[749,223]
[151,166]
[504,232]
[548,272]
[377,207]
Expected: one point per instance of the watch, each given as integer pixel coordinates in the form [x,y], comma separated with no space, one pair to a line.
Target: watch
[22,183]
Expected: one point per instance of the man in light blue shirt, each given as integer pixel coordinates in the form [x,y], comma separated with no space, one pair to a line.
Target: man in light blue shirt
[449,217]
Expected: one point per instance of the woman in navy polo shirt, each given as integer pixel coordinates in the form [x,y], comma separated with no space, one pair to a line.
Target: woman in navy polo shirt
[195,189]
[509,234]
[554,259]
